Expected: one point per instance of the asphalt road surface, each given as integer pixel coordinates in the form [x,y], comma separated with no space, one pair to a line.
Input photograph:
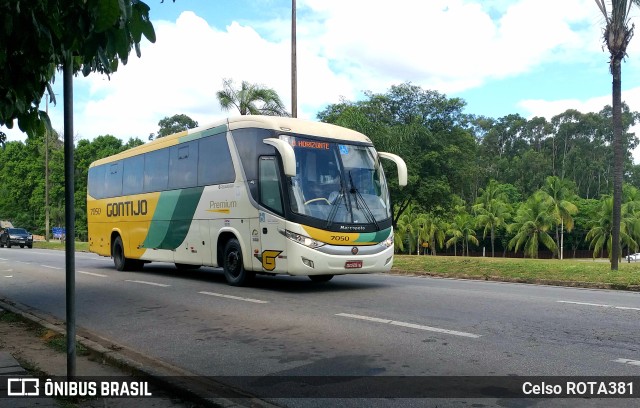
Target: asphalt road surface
[386,326]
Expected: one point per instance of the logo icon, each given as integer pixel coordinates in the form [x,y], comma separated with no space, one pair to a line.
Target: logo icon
[354,251]
[268,258]
[23,387]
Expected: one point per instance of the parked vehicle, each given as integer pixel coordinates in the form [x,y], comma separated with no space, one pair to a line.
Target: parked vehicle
[633,257]
[16,236]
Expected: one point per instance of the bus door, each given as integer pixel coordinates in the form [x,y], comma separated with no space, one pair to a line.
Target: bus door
[272,242]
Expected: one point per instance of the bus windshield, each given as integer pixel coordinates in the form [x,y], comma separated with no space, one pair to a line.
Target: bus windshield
[337,182]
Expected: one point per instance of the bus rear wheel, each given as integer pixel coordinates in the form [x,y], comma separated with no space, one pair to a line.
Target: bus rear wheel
[120,261]
[320,278]
[234,270]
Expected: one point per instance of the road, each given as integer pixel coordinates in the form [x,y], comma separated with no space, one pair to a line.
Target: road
[367,325]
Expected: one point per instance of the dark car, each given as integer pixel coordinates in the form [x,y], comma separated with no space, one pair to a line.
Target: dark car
[16,236]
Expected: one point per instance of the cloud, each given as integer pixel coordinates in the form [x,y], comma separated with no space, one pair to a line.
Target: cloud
[450,45]
[344,48]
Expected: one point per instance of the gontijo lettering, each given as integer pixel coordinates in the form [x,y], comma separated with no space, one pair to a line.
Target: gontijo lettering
[127,208]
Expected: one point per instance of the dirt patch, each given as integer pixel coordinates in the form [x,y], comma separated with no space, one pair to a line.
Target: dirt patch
[37,351]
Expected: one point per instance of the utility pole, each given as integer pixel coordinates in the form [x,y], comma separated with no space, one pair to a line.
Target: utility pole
[46,176]
[69,217]
[294,68]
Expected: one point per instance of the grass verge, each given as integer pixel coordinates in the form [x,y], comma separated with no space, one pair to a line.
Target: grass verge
[568,272]
[60,245]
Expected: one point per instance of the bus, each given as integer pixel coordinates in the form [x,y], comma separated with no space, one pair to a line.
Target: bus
[252,195]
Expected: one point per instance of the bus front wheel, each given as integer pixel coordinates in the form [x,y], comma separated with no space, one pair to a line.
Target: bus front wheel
[233,266]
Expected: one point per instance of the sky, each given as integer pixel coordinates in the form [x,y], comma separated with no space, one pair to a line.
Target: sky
[531,57]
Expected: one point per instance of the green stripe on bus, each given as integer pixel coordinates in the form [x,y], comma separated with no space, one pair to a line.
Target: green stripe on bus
[182,216]
[374,236]
[161,217]
[203,133]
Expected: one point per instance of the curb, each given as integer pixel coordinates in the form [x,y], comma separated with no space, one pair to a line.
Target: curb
[543,282]
[172,378]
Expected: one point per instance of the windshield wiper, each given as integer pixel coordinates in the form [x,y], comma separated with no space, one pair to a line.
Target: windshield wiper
[336,205]
[367,212]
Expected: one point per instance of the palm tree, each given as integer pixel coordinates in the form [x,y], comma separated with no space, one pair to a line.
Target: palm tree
[462,229]
[558,192]
[406,231]
[492,211]
[616,36]
[432,230]
[601,233]
[532,222]
[251,99]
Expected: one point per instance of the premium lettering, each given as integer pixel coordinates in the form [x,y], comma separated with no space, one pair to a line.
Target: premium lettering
[127,208]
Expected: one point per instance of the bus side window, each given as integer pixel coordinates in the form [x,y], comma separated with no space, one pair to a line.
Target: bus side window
[183,165]
[132,175]
[156,170]
[215,165]
[269,184]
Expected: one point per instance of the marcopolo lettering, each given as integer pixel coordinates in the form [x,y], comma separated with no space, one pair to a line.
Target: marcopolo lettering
[127,208]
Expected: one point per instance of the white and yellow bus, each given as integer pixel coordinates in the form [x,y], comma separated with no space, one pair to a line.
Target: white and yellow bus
[253,194]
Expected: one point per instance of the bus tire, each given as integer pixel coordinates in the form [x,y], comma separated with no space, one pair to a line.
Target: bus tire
[234,270]
[121,263]
[320,278]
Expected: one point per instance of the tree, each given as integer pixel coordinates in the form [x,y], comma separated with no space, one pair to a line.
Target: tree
[533,220]
[250,99]
[462,229]
[425,128]
[616,36]
[600,236]
[175,124]
[492,211]
[558,193]
[37,39]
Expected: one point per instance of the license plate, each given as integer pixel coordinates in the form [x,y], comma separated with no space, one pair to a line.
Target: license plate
[353,264]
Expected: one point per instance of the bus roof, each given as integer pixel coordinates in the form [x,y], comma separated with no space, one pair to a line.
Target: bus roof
[293,125]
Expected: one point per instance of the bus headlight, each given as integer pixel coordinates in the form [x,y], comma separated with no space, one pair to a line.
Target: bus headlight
[389,241]
[303,240]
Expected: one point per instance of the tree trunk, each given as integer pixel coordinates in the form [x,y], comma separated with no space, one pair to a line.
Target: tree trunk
[493,237]
[618,157]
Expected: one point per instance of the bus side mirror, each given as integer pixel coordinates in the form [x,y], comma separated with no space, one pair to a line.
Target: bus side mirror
[286,153]
[402,166]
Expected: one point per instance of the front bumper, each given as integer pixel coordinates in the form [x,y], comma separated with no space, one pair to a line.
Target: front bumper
[332,260]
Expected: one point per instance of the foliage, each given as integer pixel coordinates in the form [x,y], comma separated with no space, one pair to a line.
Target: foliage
[37,38]
[492,210]
[22,186]
[559,193]
[531,224]
[250,99]
[426,129]
[174,124]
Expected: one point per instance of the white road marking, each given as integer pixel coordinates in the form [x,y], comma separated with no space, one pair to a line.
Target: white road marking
[627,361]
[410,325]
[3,259]
[234,297]
[8,276]
[599,305]
[148,283]
[93,274]
[50,267]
